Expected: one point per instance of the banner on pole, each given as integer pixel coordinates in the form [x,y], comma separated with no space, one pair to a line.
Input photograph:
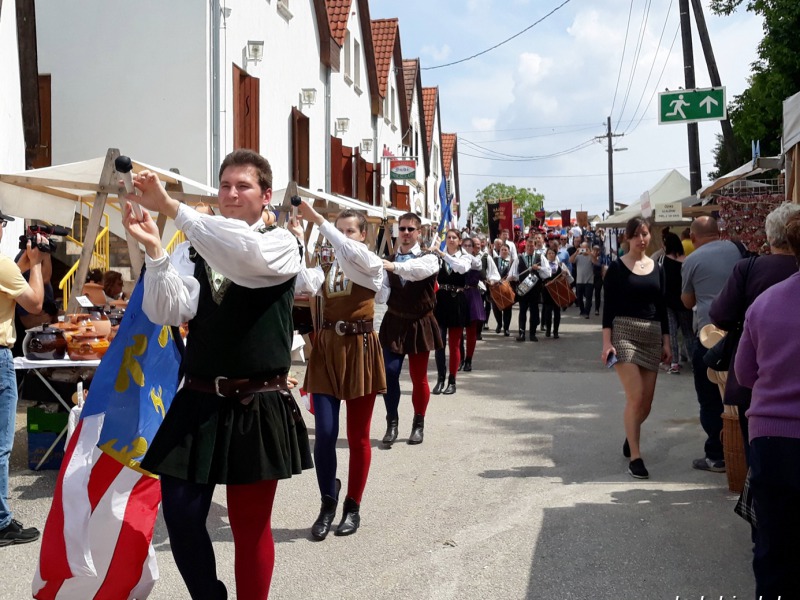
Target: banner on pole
[501,214]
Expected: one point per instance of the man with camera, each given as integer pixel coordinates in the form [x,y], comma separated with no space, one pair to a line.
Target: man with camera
[29,295]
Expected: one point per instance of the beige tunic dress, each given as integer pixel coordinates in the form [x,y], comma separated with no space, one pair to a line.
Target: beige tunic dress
[346,366]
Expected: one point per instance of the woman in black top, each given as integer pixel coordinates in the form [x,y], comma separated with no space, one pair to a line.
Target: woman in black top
[636,333]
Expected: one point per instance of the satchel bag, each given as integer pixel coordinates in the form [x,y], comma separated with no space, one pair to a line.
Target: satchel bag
[560,290]
[502,295]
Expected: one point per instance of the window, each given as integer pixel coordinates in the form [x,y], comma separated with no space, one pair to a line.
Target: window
[435,160]
[347,57]
[357,63]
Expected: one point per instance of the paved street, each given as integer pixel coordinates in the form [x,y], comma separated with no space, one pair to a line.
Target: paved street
[519,491]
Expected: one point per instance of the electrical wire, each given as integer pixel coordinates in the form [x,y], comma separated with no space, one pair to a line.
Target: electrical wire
[530,137]
[500,177]
[635,62]
[622,60]
[531,26]
[577,148]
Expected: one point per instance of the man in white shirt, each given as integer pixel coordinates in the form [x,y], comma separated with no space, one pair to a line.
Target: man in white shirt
[235,287]
[409,326]
[512,247]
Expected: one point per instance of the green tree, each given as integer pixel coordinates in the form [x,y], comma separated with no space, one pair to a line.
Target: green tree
[757,113]
[528,200]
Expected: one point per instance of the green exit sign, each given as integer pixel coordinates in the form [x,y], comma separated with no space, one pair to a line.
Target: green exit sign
[690,106]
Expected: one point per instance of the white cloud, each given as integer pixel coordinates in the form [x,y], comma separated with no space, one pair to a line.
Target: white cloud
[533,68]
[438,54]
[483,123]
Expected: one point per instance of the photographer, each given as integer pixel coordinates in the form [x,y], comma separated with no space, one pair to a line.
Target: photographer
[24,319]
[584,277]
[14,290]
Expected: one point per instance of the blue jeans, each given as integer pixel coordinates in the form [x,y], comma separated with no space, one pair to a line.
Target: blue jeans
[710,403]
[8,415]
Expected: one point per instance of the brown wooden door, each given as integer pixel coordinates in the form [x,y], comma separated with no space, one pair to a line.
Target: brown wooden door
[300,148]
[246,108]
[347,171]
[361,178]
[337,182]
[42,154]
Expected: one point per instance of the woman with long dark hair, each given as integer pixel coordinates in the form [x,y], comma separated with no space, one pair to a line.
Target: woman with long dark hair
[635,333]
[346,363]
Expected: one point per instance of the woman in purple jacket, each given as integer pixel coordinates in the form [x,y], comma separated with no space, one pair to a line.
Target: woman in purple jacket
[750,277]
[766,362]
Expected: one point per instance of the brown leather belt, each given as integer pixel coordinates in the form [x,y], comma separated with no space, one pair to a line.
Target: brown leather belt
[241,389]
[349,327]
[408,316]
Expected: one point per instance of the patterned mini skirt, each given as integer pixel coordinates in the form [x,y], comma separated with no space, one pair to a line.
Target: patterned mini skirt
[637,341]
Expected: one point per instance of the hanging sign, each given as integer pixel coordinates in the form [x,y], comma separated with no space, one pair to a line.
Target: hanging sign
[669,211]
[402,169]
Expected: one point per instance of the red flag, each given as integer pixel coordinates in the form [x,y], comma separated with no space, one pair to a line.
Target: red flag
[97,545]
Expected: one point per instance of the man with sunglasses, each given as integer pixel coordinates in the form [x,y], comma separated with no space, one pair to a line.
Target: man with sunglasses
[409,326]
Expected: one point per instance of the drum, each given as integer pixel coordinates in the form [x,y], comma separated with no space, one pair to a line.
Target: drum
[527,284]
[502,295]
[560,290]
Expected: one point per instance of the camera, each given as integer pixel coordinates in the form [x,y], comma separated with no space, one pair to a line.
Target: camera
[44,231]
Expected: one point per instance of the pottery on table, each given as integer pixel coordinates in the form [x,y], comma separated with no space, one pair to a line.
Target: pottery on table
[44,343]
[88,345]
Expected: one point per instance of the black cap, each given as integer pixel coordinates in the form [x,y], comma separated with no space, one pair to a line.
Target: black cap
[4,217]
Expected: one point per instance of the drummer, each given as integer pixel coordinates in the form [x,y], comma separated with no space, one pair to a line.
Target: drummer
[531,269]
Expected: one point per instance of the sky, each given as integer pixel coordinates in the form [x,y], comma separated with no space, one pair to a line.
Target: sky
[537,102]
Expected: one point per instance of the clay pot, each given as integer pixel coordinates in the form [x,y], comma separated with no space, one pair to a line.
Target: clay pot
[87,346]
[115,316]
[44,343]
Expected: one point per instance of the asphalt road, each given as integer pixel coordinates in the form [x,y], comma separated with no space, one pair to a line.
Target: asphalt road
[519,491]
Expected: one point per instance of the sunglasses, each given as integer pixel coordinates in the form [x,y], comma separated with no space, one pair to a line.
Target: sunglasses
[409,229]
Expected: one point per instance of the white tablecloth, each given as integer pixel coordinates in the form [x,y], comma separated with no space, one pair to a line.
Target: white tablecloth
[21,362]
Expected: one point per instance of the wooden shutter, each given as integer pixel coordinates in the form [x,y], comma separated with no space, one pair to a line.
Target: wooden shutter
[42,154]
[401,195]
[370,181]
[337,182]
[347,171]
[300,148]
[246,108]
[361,178]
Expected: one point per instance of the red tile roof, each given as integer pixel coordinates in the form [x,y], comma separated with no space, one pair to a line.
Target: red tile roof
[338,15]
[410,69]
[429,95]
[448,146]
[384,33]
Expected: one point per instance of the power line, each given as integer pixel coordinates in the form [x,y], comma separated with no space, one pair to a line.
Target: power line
[531,26]
[577,148]
[622,60]
[635,62]
[576,176]
[530,137]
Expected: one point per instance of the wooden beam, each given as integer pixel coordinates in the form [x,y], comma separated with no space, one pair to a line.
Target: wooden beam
[28,75]
[92,228]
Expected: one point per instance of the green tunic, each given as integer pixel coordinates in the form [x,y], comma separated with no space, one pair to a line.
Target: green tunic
[238,332]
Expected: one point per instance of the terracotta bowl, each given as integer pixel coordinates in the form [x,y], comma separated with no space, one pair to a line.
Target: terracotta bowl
[87,346]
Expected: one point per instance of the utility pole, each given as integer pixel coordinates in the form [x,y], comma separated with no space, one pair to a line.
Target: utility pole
[716,81]
[689,84]
[610,151]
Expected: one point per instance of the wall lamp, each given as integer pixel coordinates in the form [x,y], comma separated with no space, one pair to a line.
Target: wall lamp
[308,96]
[366,145]
[342,124]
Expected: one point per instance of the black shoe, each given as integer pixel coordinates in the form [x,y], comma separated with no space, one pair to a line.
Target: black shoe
[546,334]
[521,336]
[350,518]
[391,431]
[626,449]
[417,430]
[451,385]
[637,470]
[506,333]
[534,338]
[497,330]
[586,316]
[555,336]
[437,389]
[461,364]
[15,533]
[467,365]
[327,512]
[478,335]
[597,313]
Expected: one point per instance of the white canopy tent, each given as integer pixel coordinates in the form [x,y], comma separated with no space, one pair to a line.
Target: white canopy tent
[672,187]
[791,145]
[91,188]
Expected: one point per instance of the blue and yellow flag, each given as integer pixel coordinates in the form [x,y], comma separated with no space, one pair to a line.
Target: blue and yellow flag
[134,384]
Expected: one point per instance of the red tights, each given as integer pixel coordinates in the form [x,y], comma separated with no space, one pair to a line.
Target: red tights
[421,391]
[250,514]
[472,337]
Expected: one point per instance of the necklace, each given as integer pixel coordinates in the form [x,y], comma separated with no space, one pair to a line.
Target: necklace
[640,264]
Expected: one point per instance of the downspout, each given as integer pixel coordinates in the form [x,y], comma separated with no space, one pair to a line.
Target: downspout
[328,129]
[377,182]
[214,162]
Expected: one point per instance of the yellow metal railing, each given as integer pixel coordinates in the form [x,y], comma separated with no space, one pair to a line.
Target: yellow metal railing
[99,260]
[178,238]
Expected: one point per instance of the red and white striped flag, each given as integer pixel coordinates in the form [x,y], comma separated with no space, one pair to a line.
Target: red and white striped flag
[96,542]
